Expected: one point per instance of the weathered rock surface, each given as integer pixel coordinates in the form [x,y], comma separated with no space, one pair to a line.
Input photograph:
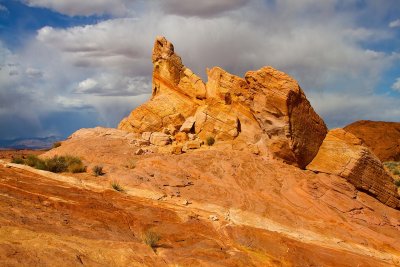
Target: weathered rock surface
[269,213]
[383,138]
[266,107]
[343,154]
[160,139]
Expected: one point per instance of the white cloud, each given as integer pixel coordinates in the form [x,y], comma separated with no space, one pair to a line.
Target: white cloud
[396,85]
[83,8]
[106,67]
[34,73]
[395,23]
[86,85]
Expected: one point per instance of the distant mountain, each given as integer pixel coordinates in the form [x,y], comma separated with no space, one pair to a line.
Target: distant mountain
[30,143]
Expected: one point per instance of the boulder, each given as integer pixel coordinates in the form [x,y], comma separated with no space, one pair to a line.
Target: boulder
[160,139]
[383,138]
[293,131]
[176,149]
[187,126]
[189,145]
[181,137]
[344,154]
[146,136]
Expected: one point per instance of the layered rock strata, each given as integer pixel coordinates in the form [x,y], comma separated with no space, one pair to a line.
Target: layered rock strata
[344,154]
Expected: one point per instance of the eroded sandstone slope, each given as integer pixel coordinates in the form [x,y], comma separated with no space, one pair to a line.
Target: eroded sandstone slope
[211,207]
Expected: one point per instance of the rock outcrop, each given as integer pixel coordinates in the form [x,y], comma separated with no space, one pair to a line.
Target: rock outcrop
[383,138]
[343,154]
[267,108]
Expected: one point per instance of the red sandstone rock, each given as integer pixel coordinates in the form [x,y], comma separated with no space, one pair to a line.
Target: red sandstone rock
[343,154]
[383,138]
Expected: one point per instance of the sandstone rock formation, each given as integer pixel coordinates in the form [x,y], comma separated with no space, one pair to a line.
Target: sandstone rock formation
[343,154]
[383,138]
[267,108]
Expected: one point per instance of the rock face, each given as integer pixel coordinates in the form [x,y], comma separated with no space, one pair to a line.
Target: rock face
[267,108]
[383,138]
[343,154]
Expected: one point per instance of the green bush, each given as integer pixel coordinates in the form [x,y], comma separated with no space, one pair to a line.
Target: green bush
[57,164]
[18,160]
[397,183]
[35,162]
[210,140]
[97,170]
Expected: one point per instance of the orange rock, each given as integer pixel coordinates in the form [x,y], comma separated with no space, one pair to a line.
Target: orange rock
[181,137]
[267,107]
[383,138]
[343,154]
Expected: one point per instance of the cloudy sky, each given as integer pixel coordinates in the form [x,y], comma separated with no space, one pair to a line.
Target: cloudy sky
[68,64]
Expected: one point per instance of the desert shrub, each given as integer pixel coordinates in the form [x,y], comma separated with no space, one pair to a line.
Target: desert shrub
[151,239]
[76,168]
[397,183]
[116,186]
[97,170]
[35,162]
[57,164]
[210,140]
[17,160]
[56,144]
[396,172]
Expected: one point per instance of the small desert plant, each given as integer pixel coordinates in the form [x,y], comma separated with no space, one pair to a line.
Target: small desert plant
[210,140]
[76,168]
[56,144]
[396,172]
[397,183]
[74,164]
[18,160]
[97,170]
[116,186]
[151,239]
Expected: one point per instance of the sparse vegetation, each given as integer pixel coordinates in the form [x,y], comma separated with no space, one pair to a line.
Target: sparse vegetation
[55,164]
[97,170]
[210,140]
[17,160]
[151,239]
[116,186]
[393,167]
[56,144]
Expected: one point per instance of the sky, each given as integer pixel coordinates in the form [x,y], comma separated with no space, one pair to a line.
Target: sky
[71,64]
